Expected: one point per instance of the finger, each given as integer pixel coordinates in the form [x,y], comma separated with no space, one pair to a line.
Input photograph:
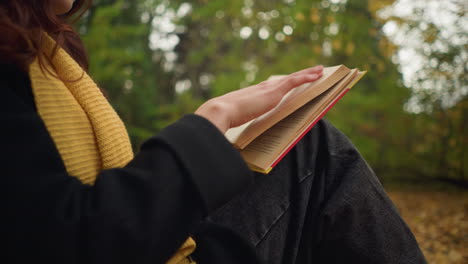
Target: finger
[313,70]
[317,69]
[297,80]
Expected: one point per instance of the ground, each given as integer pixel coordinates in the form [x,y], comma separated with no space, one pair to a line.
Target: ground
[438,219]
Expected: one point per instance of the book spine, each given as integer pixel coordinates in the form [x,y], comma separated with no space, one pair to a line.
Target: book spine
[308,128]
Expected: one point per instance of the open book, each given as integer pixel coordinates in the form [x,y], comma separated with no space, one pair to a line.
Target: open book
[264,141]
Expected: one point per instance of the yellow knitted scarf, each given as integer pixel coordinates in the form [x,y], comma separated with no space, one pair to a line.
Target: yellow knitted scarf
[86,130]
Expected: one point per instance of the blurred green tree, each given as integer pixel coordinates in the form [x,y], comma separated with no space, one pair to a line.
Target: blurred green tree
[116,35]
[160,59]
[233,44]
[432,53]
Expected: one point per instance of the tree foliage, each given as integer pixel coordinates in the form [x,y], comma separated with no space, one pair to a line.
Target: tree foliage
[160,59]
[434,34]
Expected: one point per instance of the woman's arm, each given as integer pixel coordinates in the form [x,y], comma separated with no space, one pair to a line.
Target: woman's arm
[138,214]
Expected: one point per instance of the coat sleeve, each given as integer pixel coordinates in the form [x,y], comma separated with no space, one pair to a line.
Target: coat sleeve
[138,214]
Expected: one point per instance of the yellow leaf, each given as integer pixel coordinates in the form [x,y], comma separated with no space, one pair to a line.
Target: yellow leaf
[317,49]
[336,44]
[300,16]
[314,15]
[349,48]
[454,255]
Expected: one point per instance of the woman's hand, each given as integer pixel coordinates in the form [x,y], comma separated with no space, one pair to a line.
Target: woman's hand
[238,107]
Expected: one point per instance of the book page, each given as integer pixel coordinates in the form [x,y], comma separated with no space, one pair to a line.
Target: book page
[291,102]
[262,151]
[266,148]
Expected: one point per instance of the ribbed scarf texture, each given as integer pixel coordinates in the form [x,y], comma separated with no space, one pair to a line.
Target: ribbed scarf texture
[86,130]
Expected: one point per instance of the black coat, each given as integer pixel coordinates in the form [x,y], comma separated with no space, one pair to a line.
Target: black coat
[141,213]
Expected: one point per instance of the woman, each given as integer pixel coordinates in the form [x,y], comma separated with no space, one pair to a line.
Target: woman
[74,192]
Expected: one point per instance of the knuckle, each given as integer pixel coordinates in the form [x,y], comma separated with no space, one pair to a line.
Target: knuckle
[294,80]
[218,106]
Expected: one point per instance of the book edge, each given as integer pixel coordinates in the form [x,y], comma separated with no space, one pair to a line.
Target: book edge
[360,75]
[313,123]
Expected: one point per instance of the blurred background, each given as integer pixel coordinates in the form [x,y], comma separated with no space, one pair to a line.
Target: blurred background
[160,59]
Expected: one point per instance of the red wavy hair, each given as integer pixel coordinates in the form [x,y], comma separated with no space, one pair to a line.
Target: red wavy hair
[23,22]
